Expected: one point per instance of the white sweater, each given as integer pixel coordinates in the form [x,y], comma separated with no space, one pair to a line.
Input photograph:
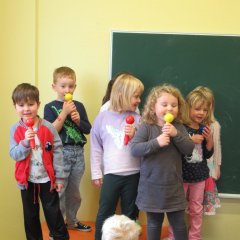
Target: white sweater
[216,159]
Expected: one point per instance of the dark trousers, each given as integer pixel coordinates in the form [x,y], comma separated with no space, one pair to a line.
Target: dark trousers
[50,204]
[176,220]
[114,188]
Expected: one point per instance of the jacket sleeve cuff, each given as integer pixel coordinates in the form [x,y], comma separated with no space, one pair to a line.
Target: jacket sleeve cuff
[60,180]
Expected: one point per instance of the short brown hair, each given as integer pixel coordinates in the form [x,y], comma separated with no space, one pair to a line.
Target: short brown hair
[63,72]
[25,92]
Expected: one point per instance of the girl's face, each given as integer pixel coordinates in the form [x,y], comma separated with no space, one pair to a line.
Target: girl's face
[27,109]
[134,101]
[63,86]
[198,113]
[166,103]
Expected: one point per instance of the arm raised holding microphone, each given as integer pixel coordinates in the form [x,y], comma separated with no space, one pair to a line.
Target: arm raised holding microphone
[75,116]
[168,128]
[128,129]
[68,107]
[30,123]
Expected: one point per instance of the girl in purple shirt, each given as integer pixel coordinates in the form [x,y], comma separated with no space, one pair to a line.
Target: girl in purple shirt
[113,167]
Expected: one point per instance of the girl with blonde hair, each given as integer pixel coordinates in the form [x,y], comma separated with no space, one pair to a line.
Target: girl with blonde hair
[211,199]
[195,169]
[113,167]
[160,146]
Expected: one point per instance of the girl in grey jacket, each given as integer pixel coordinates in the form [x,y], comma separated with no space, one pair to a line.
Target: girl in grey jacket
[161,145]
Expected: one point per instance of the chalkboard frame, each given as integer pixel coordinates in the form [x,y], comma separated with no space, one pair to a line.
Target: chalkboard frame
[224,111]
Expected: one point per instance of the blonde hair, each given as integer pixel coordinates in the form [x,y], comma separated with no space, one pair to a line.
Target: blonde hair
[209,95]
[149,115]
[63,72]
[197,97]
[123,89]
[120,227]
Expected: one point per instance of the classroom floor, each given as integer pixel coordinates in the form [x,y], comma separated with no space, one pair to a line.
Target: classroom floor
[77,235]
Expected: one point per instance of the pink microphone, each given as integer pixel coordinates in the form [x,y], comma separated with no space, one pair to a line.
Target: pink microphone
[129,120]
[30,122]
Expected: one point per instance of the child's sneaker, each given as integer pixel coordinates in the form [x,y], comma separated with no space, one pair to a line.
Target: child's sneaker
[80,227]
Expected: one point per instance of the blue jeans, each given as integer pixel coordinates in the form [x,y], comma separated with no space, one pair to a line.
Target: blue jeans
[70,198]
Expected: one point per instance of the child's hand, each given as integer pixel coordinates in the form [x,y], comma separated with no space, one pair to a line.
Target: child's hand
[58,186]
[97,182]
[68,107]
[169,129]
[207,133]
[29,134]
[75,116]
[129,130]
[163,140]
[208,136]
[197,138]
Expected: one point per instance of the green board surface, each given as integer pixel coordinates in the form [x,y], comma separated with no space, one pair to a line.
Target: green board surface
[188,61]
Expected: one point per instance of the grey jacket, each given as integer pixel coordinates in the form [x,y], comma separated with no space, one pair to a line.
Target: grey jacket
[161,186]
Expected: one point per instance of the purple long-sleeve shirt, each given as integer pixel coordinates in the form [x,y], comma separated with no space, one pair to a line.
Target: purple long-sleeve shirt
[108,152]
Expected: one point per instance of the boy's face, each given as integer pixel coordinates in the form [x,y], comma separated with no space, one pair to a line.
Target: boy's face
[27,109]
[63,86]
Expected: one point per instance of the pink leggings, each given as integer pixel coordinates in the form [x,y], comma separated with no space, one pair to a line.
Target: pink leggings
[194,193]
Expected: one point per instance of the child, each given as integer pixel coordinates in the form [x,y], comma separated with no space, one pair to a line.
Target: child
[195,169]
[110,157]
[211,200]
[161,146]
[120,227]
[71,121]
[39,170]
[106,98]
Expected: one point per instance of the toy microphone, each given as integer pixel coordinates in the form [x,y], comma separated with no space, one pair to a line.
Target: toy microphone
[200,130]
[68,97]
[30,122]
[168,118]
[129,120]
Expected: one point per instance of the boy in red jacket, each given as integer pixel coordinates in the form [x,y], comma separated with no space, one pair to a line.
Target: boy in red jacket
[37,150]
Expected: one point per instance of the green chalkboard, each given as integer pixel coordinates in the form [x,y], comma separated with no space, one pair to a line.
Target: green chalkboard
[188,61]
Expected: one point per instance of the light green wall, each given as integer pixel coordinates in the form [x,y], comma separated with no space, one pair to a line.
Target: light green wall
[40,35]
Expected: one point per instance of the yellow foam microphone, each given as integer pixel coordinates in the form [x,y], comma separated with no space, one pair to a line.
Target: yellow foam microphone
[168,118]
[68,97]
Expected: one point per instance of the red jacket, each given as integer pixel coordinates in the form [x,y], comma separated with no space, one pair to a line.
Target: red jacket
[20,151]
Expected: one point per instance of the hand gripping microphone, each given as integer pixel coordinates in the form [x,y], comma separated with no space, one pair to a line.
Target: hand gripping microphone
[129,120]
[30,122]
